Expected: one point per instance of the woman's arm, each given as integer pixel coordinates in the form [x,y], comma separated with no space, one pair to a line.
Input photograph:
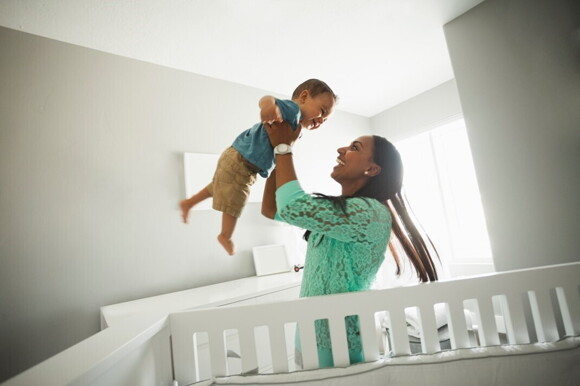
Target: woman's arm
[287,173]
[282,133]
[269,197]
[362,219]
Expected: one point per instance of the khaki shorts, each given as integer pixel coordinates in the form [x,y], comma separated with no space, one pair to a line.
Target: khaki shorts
[230,187]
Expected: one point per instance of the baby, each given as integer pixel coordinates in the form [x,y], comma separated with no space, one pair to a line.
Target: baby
[251,153]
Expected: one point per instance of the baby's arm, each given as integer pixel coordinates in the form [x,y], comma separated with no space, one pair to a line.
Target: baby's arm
[269,111]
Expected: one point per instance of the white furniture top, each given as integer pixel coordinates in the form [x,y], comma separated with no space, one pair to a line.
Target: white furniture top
[212,295]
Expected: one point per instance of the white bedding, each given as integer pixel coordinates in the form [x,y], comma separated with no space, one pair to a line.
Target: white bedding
[523,364]
[414,328]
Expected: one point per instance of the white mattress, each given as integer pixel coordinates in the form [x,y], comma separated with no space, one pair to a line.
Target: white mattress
[556,363]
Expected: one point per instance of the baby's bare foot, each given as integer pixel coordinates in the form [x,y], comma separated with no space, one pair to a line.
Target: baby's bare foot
[185,207]
[228,244]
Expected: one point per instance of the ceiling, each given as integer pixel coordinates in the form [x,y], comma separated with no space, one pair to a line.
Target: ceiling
[373,53]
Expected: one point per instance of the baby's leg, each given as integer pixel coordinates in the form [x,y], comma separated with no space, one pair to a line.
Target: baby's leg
[225,238]
[189,203]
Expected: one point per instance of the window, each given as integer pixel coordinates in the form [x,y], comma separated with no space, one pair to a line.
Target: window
[442,190]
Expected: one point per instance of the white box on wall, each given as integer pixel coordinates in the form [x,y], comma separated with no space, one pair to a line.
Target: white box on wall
[270,259]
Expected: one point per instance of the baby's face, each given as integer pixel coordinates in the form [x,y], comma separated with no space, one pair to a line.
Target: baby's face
[315,110]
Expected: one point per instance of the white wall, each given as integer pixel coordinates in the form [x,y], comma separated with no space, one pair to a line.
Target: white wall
[420,113]
[90,175]
[517,68]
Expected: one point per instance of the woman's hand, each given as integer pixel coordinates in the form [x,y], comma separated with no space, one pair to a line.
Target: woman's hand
[281,132]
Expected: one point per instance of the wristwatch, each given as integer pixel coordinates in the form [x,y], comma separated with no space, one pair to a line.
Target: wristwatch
[282,149]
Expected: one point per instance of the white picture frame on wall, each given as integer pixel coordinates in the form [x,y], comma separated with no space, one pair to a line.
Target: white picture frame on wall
[199,169]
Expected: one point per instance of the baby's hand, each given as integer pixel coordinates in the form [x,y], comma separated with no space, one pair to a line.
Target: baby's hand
[269,111]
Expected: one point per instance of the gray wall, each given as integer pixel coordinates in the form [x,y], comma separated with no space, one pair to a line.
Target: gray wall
[517,68]
[91,172]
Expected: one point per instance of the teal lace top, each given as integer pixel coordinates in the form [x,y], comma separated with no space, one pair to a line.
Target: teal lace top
[345,250]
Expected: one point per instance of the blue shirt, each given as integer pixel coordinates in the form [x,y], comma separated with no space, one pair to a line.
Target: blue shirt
[254,144]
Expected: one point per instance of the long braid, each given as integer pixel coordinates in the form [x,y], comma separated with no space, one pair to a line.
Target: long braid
[412,240]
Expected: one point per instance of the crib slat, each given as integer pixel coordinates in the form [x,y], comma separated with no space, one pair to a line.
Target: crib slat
[183,355]
[570,309]
[338,340]
[429,334]
[544,320]
[369,337]
[248,350]
[308,345]
[217,353]
[488,335]
[457,326]
[399,337]
[278,348]
[515,319]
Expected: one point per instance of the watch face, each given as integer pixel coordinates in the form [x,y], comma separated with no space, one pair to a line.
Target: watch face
[282,149]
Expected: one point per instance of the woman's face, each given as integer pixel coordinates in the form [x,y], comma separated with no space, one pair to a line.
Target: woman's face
[354,160]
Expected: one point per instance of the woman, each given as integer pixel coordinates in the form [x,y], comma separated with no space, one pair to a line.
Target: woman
[347,235]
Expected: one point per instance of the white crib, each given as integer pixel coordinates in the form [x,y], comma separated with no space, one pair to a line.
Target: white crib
[537,311]
[549,296]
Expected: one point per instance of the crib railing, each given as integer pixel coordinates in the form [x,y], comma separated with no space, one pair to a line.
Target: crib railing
[538,304]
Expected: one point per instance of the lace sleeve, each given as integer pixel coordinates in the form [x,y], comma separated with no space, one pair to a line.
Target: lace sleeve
[363,219]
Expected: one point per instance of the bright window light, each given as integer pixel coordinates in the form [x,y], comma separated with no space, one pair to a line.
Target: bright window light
[441,187]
